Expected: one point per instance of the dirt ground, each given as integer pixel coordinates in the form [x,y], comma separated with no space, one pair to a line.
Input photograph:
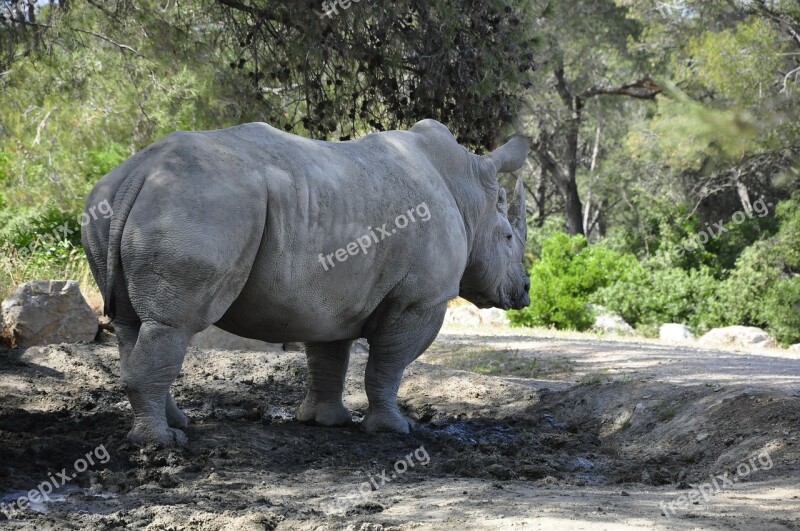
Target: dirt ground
[543,432]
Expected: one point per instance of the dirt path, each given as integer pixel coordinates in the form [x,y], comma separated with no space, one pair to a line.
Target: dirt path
[572,432]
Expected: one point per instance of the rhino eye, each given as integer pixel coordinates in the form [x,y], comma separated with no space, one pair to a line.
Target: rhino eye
[509,237]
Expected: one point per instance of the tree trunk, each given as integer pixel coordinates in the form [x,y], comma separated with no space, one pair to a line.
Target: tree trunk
[572,201]
[573,208]
[541,198]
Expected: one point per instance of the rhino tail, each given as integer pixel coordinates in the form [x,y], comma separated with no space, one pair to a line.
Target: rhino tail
[123,202]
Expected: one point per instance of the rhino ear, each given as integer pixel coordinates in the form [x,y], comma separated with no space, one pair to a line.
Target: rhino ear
[511,155]
[516,210]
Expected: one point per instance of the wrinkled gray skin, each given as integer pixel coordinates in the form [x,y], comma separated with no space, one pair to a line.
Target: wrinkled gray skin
[225,227]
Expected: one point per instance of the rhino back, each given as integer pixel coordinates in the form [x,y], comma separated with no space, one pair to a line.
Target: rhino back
[318,197]
[323,196]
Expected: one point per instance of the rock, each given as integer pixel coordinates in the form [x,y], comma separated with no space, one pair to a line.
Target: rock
[608,322]
[675,332]
[795,347]
[469,315]
[43,312]
[493,316]
[738,336]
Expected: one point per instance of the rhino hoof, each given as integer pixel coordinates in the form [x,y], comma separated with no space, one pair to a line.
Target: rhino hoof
[324,414]
[167,437]
[392,422]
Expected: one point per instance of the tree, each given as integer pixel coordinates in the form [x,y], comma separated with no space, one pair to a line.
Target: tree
[729,131]
[586,59]
[379,65]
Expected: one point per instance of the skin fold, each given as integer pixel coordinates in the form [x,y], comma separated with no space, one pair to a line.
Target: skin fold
[233,227]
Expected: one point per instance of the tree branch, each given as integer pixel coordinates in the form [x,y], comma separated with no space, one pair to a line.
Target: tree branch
[644,89]
[241,7]
[119,45]
[561,85]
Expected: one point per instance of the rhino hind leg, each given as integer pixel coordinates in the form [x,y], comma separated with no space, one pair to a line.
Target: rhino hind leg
[393,347]
[327,368]
[148,371]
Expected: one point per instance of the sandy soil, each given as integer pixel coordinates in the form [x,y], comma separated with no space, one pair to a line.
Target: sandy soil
[604,434]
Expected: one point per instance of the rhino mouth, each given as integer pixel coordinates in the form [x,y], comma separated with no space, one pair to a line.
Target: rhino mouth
[504,300]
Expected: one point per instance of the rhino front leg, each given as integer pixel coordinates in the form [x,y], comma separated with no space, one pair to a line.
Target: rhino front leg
[397,342]
[148,371]
[327,367]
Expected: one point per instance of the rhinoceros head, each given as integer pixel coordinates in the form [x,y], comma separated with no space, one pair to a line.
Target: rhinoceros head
[495,273]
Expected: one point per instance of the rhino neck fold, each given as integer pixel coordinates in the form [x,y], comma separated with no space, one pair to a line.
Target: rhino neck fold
[471,188]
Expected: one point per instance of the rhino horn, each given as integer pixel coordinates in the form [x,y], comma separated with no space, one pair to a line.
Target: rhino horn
[516,210]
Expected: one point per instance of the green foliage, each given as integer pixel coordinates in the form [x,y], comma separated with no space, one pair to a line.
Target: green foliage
[86,85]
[762,290]
[538,235]
[735,62]
[649,295]
[101,160]
[782,310]
[568,272]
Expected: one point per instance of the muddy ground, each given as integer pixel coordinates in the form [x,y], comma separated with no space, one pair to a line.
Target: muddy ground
[569,432]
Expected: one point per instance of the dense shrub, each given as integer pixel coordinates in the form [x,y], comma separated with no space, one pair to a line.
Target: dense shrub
[562,280]
[763,289]
[782,310]
[650,295]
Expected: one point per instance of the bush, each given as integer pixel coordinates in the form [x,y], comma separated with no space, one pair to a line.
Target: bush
[100,161]
[782,310]
[42,228]
[647,296]
[562,281]
[764,288]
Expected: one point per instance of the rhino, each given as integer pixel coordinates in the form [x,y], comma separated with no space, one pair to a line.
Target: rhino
[264,234]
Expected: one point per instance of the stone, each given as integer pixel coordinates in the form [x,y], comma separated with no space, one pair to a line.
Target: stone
[43,312]
[608,322]
[795,347]
[469,315]
[738,336]
[675,332]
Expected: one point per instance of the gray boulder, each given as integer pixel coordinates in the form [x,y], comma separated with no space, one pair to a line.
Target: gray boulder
[469,315]
[675,332]
[43,312]
[738,336]
[608,322]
